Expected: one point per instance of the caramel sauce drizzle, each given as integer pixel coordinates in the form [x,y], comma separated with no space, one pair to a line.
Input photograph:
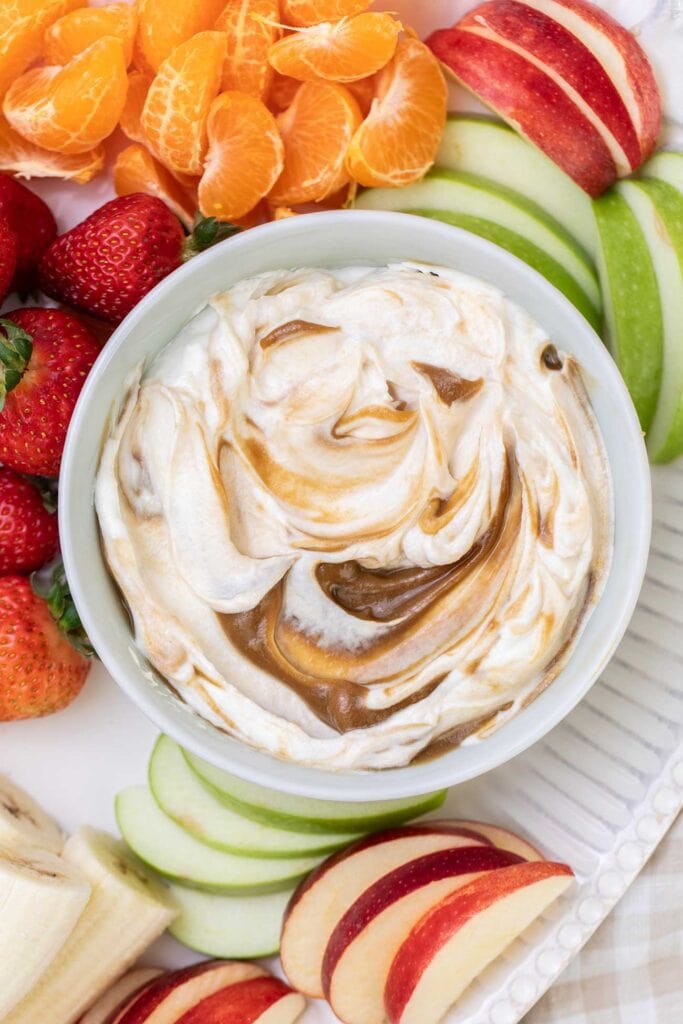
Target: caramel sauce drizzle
[449,386]
[291,329]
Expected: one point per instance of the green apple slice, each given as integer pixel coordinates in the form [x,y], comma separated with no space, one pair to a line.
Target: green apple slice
[184,798]
[633,315]
[526,251]
[305,814]
[491,149]
[176,855]
[658,208]
[478,197]
[665,167]
[229,927]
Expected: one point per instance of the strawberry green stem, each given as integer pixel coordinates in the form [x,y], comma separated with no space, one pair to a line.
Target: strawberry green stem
[207,231]
[16,347]
[63,610]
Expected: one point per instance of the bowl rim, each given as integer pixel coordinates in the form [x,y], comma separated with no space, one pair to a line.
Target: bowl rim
[257,766]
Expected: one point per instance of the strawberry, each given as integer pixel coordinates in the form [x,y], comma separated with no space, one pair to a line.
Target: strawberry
[34,228]
[8,257]
[40,671]
[45,356]
[109,261]
[28,532]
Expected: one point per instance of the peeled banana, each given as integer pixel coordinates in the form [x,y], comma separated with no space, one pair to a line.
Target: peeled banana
[42,898]
[23,822]
[127,910]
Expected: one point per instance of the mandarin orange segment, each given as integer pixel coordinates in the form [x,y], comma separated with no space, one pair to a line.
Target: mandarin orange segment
[311,12]
[136,170]
[244,159]
[74,32]
[22,27]
[71,109]
[397,142]
[316,129]
[340,51]
[177,104]
[164,24]
[251,28]
[364,92]
[129,122]
[17,156]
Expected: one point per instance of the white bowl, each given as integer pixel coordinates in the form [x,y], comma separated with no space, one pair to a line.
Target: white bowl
[326,239]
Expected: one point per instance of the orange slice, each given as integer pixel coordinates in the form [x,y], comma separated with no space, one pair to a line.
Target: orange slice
[177,104]
[245,156]
[316,129]
[251,29]
[129,122]
[165,24]
[17,156]
[136,170]
[74,32]
[342,51]
[71,109]
[22,27]
[311,12]
[397,142]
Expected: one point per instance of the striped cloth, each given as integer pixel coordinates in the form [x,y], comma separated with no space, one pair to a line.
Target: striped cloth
[631,971]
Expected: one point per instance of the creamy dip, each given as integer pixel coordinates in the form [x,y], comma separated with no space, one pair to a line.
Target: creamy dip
[357,515]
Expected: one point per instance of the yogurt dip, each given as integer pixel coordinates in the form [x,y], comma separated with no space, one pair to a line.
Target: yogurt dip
[357,515]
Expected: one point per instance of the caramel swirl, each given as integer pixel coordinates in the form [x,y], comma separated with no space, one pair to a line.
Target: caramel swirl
[357,515]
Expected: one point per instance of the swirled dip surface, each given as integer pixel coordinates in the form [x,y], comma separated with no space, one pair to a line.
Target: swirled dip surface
[357,513]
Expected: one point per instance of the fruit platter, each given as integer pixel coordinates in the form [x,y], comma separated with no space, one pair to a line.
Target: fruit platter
[341,491]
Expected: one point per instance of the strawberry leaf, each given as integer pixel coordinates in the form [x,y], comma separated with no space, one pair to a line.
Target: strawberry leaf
[15,351]
[207,231]
[63,610]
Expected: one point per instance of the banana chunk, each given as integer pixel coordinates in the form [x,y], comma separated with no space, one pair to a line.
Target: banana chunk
[23,821]
[127,911]
[42,898]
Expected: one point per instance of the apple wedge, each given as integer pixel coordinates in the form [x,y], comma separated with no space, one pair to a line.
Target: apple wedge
[304,814]
[255,1001]
[665,167]
[491,149]
[501,837]
[633,313]
[460,936]
[565,75]
[233,927]
[462,194]
[184,798]
[174,853]
[362,947]
[109,1005]
[165,1000]
[325,896]
[658,208]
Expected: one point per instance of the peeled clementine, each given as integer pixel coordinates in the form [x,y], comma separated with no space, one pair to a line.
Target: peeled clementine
[138,87]
[341,51]
[397,142]
[251,28]
[74,32]
[177,104]
[136,170]
[244,158]
[22,27]
[71,109]
[311,12]
[316,129]
[26,160]
[165,24]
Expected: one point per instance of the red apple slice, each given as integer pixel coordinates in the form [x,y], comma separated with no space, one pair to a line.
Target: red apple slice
[319,902]
[254,1001]
[110,1004]
[165,1000]
[459,937]
[501,837]
[363,945]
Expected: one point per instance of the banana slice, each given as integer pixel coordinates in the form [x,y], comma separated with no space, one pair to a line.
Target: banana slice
[41,899]
[24,822]
[127,911]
